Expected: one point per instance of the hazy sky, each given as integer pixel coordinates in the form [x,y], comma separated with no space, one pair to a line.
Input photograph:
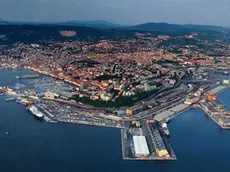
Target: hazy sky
[214,12]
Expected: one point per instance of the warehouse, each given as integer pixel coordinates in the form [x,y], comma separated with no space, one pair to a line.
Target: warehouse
[140,146]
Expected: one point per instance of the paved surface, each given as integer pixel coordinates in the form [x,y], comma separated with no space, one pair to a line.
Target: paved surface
[218,89]
[171,112]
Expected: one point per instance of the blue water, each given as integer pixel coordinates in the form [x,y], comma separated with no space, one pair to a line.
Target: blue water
[32,145]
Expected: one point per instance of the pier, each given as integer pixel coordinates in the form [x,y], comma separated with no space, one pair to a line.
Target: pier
[152,143]
[91,123]
[217,112]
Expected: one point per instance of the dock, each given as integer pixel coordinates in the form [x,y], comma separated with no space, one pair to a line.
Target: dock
[217,112]
[172,112]
[90,123]
[155,142]
[49,116]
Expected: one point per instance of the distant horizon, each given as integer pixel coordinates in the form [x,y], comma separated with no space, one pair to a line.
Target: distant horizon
[109,22]
[123,12]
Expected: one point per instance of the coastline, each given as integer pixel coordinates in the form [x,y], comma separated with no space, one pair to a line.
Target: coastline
[123,129]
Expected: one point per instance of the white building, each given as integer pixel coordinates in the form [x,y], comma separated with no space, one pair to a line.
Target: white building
[140,146]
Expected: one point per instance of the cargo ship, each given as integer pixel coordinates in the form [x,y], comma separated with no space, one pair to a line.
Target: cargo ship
[165,129]
[33,109]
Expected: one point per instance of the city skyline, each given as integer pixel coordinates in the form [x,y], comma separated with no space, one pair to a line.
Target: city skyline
[205,12]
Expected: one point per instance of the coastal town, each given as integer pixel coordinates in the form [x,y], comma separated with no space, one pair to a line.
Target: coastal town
[137,85]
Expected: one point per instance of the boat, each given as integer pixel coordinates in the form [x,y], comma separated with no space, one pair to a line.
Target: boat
[11,92]
[34,110]
[9,99]
[226,73]
[165,129]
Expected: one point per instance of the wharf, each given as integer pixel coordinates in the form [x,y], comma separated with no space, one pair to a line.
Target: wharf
[219,89]
[180,108]
[218,115]
[155,151]
[90,123]
[170,113]
[49,117]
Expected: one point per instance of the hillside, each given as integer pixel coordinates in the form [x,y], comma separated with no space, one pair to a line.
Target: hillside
[37,33]
[176,28]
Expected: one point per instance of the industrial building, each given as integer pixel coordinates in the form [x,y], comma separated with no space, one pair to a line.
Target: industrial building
[226,81]
[134,110]
[190,101]
[211,96]
[51,95]
[140,146]
[161,150]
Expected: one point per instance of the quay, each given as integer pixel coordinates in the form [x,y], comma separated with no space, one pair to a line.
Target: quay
[91,123]
[180,108]
[49,116]
[172,112]
[217,112]
[145,142]
[219,89]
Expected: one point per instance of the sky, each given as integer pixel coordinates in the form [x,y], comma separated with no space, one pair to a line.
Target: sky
[125,12]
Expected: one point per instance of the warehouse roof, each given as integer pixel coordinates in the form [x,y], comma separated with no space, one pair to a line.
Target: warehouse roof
[140,145]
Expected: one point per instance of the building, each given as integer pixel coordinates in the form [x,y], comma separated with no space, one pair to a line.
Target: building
[106,96]
[190,101]
[226,81]
[160,148]
[134,110]
[140,146]
[51,95]
[94,97]
[211,96]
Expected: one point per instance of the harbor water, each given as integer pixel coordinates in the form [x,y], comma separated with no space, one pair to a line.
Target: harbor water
[27,144]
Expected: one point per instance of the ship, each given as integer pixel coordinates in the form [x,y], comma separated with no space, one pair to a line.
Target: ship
[33,109]
[165,129]
[9,99]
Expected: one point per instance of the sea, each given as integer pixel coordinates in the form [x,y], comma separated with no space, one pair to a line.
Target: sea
[30,145]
